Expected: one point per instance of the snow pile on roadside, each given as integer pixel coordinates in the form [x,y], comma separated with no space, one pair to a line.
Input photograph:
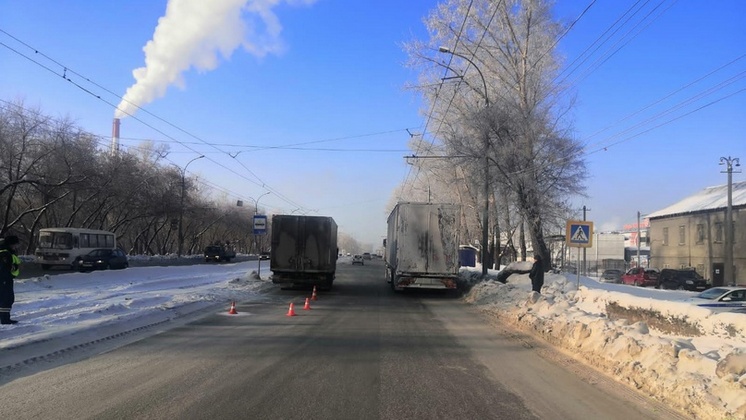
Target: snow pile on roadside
[111,301]
[702,373]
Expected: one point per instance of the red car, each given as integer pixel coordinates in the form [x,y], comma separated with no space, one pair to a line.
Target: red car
[639,276]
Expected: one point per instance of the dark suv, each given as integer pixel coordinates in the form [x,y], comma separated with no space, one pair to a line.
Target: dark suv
[682,280]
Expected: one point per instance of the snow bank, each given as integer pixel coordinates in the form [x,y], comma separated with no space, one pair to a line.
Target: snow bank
[689,357]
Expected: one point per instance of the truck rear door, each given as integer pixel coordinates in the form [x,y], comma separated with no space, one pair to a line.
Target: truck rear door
[285,244]
[428,239]
[315,246]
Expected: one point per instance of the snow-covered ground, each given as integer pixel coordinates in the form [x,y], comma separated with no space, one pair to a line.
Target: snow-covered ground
[73,310]
[688,356]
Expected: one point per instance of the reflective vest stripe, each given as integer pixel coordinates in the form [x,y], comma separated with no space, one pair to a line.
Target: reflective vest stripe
[15,268]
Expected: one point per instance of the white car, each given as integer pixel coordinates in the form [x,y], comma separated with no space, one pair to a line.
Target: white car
[722,298]
[358,259]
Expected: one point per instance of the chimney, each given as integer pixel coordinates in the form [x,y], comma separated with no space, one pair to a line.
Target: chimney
[115,136]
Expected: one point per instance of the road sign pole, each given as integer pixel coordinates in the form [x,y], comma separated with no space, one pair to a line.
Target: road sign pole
[580,235]
[260,228]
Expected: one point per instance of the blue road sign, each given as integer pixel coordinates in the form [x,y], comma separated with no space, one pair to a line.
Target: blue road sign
[260,224]
[579,234]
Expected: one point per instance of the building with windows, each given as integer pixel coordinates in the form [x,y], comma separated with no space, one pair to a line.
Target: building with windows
[637,243]
[691,233]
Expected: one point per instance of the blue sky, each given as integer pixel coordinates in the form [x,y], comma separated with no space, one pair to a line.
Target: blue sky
[336,85]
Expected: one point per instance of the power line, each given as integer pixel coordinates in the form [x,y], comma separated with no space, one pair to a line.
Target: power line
[692,83]
[437,93]
[609,54]
[653,119]
[64,74]
[103,143]
[569,28]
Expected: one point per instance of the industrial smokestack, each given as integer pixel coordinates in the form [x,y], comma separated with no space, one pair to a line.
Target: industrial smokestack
[115,136]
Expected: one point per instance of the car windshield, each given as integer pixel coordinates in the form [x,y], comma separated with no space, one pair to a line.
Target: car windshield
[712,293]
[612,272]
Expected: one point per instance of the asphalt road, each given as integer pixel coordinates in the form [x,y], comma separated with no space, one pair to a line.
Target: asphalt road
[360,352]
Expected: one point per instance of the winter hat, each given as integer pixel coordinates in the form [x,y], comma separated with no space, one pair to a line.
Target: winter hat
[11,240]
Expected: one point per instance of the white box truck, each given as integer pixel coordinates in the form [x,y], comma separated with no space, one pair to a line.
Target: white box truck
[421,247]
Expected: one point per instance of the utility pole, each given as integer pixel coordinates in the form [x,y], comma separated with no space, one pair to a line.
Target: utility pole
[585,269]
[639,238]
[730,277]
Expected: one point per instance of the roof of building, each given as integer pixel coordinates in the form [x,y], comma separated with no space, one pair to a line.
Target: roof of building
[710,198]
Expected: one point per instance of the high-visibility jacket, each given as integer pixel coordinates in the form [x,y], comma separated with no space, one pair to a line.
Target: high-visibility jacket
[15,268]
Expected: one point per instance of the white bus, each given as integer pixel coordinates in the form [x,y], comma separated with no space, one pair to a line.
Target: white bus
[62,246]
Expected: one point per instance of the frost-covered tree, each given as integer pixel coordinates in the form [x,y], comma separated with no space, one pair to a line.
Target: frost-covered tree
[496,100]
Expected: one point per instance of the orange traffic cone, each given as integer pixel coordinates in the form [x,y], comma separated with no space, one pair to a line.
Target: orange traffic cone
[308,304]
[291,311]
[313,295]
[232,311]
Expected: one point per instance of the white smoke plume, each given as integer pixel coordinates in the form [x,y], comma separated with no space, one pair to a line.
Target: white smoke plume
[195,34]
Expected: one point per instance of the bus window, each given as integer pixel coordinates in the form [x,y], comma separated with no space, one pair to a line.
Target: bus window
[62,240]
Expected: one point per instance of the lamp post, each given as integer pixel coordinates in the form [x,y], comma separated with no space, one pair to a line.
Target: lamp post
[730,278]
[256,202]
[181,212]
[485,228]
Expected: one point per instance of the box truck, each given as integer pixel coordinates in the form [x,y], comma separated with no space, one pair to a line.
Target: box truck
[304,250]
[421,248]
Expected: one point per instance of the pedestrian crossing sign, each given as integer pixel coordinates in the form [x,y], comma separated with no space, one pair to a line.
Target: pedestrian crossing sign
[579,234]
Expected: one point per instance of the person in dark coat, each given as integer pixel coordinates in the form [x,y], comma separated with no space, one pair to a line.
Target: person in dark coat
[537,274]
[9,270]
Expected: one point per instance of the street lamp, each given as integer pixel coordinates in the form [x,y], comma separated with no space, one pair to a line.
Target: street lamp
[485,228]
[256,202]
[730,278]
[181,212]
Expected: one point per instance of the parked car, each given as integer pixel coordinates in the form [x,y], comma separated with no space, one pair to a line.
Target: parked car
[722,299]
[102,259]
[264,255]
[639,276]
[358,259]
[218,253]
[612,276]
[682,280]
